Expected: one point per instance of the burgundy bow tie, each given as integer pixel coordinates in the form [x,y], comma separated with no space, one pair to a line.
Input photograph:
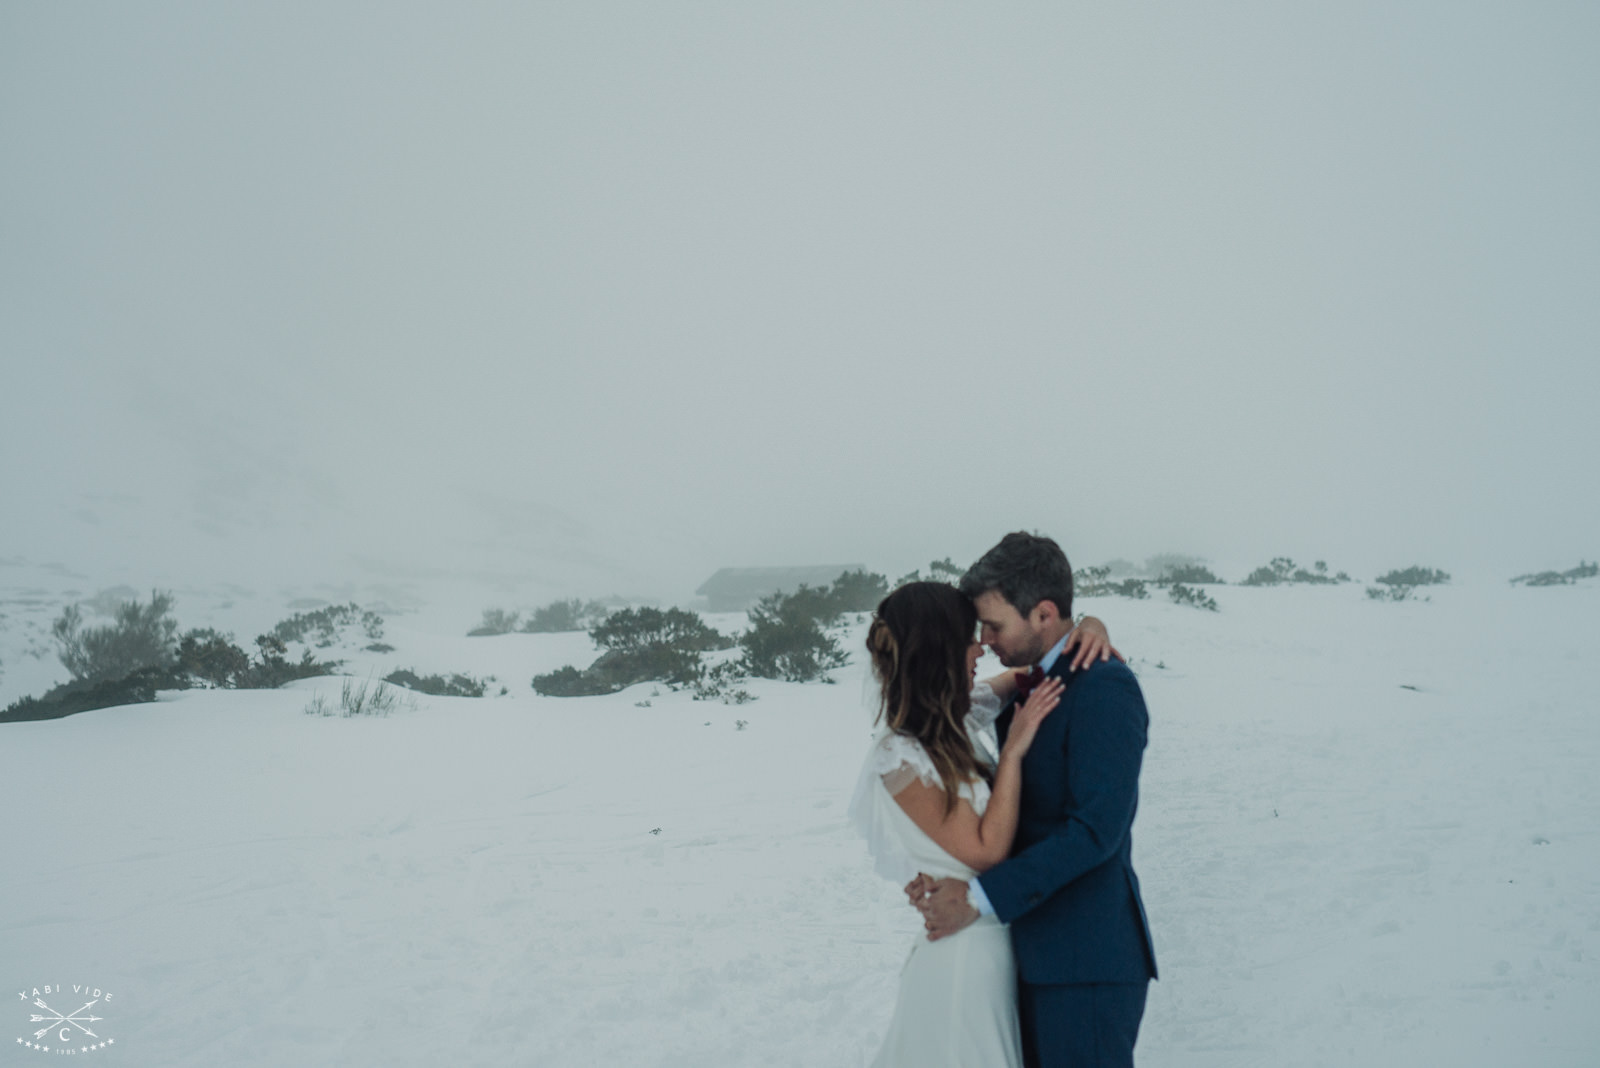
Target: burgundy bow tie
[1027,683]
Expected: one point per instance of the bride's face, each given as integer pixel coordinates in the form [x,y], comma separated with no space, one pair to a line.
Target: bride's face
[974,651]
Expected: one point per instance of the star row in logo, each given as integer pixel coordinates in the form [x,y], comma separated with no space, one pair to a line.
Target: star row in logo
[69,1051]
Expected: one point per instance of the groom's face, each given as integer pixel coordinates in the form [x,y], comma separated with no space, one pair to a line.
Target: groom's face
[1016,639]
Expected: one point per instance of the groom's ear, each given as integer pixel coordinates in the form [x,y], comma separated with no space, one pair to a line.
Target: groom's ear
[1045,613]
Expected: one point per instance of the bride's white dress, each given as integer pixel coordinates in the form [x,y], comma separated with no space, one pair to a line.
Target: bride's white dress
[957,1004]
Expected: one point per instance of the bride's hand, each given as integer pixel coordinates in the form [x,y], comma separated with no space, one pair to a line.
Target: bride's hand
[1092,643]
[1026,722]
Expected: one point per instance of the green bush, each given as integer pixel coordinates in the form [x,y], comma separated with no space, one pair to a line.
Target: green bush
[788,637]
[210,657]
[721,682]
[1097,582]
[938,571]
[859,591]
[143,636]
[1192,597]
[204,657]
[570,682]
[1284,571]
[325,624]
[437,685]
[495,621]
[641,645]
[1558,578]
[82,695]
[1414,576]
[564,616]
[1188,574]
[359,699]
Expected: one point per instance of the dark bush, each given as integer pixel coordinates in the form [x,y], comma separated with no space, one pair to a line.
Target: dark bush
[641,645]
[1414,576]
[495,621]
[1284,571]
[437,685]
[1192,597]
[938,571]
[1189,574]
[788,637]
[325,624]
[1097,582]
[203,657]
[564,616]
[859,591]
[1558,578]
[272,667]
[83,695]
[633,629]
[210,657]
[142,637]
[569,682]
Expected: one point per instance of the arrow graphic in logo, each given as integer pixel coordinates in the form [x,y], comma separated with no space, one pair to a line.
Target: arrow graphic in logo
[57,1019]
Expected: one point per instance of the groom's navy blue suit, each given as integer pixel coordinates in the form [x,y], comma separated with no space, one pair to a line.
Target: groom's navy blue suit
[1083,949]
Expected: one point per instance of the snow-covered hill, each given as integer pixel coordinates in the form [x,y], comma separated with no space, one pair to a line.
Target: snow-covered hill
[1369,835]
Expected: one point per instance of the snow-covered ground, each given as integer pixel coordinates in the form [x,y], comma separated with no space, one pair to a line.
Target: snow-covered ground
[1369,835]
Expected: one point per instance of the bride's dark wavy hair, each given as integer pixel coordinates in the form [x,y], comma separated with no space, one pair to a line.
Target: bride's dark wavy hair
[918,641]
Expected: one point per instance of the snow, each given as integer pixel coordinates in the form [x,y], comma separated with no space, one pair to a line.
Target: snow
[1368,836]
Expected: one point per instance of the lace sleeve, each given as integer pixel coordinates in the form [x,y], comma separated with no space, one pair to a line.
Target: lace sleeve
[985,705]
[899,761]
[893,763]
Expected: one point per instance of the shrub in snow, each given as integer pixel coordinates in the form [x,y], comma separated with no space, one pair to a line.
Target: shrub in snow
[721,682]
[325,624]
[1188,595]
[1400,585]
[1097,582]
[563,616]
[568,682]
[788,636]
[859,591]
[495,621]
[210,657]
[142,636]
[1189,574]
[83,696]
[1284,571]
[938,571]
[437,685]
[1558,578]
[367,698]
[641,645]
[1414,576]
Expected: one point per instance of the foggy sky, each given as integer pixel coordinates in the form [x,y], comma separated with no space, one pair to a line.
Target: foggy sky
[605,296]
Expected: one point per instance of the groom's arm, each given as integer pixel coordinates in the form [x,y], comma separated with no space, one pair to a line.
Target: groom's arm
[1104,749]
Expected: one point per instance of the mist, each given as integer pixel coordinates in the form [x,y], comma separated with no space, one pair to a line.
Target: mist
[598,298]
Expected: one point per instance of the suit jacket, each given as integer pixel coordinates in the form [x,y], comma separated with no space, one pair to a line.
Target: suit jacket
[1068,890]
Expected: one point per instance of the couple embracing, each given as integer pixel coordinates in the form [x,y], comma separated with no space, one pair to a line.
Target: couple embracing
[1036,950]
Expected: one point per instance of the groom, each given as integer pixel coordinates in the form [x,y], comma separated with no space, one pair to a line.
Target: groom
[1068,892]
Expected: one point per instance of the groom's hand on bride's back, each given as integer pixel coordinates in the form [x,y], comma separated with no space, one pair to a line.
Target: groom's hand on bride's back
[918,887]
[945,908]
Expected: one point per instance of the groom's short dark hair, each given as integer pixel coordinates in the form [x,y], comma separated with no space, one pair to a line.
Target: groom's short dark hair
[1024,569]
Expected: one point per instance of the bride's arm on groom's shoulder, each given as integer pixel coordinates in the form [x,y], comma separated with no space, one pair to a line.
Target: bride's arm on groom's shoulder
[1003,685]
[981,842]
[1092,643]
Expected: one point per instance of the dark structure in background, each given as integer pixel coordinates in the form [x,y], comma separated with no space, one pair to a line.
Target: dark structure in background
[735,589]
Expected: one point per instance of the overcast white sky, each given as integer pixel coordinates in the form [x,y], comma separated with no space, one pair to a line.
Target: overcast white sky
[606,296]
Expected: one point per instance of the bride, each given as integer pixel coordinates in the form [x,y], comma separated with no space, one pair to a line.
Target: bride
[931,802]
